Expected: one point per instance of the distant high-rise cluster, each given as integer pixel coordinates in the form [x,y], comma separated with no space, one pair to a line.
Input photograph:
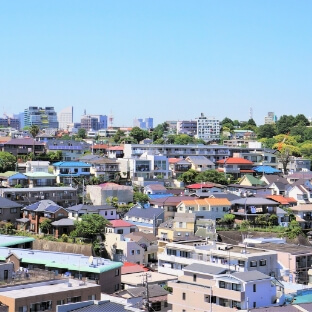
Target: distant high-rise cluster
[43,117]
[93,122]
[145,124]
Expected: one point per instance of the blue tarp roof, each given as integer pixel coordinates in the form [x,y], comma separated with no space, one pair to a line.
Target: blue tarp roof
[156,196]
[265,169]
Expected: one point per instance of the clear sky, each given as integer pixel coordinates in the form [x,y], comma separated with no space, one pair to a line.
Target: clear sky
[170,60]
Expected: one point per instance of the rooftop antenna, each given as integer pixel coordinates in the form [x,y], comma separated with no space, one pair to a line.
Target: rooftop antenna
[111,120]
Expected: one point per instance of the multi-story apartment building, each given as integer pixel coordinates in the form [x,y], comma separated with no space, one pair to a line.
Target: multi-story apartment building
[63,196]
[187,127]
[145,124]
[208,288]
[65,117]
[237,258]
[213,152]
[208,128]
[43,117]
[270,118]
[10,122]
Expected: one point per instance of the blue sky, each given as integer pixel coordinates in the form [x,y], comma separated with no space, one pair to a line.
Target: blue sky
[170,60]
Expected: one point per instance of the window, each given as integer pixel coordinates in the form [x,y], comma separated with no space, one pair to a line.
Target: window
[241,263]
[92,297]
[207,298]
[22,309]
[13,210]
[253,263]
[105,213]
[0,210]
[165,304]
[120,231]
[213,299]
[156,306]
[112,212]
[236,304]
[236,287]
[132,252]
[183,296]
[262,262]
[116,287]
[254,287]
[254,304]
[138,251]
[117,272]
[221,284]
[194,277]
[60,302]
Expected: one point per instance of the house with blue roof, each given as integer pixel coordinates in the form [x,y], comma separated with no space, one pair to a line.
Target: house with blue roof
[146,219]
[12,178]
[65,171]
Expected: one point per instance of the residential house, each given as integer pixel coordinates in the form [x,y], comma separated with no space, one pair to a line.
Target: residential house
[100,149]
[65,171]
[104,168]
[180,228]
[121,249]
[148,242]
[303,215]
[37,166]
[157,296]
[107,211]
[302,175]
[168,204]
[120,227]
[42,210]
[246,191]
[71,150]
[155,189]
[283,201]
[178,255]
[9,210]
[100,193]
[204,287]
[279,188]
[115,152]
[12,178]
[301,193]
[40,179]
[23,147]
[235,166]
[296,164]
[272,178]
[146,219]
[63,196]
[178,166]
[250,207]
[62,227]
[201,188]
[208,208]
[250,180]
[200,163]
[81,268]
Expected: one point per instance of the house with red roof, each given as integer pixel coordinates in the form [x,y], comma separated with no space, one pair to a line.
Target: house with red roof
[235,166]
[115,152]
[178,166]
[120,227]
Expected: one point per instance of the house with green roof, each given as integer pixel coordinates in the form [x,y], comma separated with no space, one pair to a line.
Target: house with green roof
[41,179]
[250,180]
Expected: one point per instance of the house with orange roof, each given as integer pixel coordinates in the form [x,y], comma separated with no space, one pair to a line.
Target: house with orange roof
[235,166]
[284,201]
[208,208]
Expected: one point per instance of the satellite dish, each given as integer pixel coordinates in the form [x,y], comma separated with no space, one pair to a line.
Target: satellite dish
[90,259]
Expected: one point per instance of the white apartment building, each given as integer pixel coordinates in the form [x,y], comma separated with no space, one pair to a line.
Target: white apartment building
[236,258]
[208,128]
[65,117]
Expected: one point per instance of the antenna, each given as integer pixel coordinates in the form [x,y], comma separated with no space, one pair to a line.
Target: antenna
[111,120]
[250,113]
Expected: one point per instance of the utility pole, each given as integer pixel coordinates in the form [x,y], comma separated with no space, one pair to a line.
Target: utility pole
[147,301]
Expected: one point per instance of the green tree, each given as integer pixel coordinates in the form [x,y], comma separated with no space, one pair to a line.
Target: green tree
[266,131]
[90,226]
[82,133]
[45,226]
[212,176]
[227,120]
[139,197]
[284,124]
[138,134]
[228,219]
[251,122]
[113,201]
[189,176]
[306,149]
[118,136]
[302,120]
[7,161]
[183,139]
[55,156]
[34,130]
[159,131]
[294,229]
[273,220]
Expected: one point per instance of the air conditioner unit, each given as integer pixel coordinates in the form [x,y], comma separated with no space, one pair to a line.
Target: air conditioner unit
[66,201]
[42,197]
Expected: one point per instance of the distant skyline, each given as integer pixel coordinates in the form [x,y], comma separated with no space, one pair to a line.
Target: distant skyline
[169,60]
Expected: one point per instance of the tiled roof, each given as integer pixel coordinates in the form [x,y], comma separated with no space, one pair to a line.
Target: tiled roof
[63,222]
[235,160]
[200,160]
[281,199]
[43,205]
[6,203]
[254,201]
[304,207]
[116,148]
[208,201]
[156,187]
[200,185]
[24,141]
[100,146]
[129,267]
[119,223]
[173,160]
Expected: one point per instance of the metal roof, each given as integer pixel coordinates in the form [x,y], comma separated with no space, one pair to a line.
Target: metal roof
[8,240]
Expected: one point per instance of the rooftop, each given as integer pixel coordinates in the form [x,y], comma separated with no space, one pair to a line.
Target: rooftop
[8,240]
